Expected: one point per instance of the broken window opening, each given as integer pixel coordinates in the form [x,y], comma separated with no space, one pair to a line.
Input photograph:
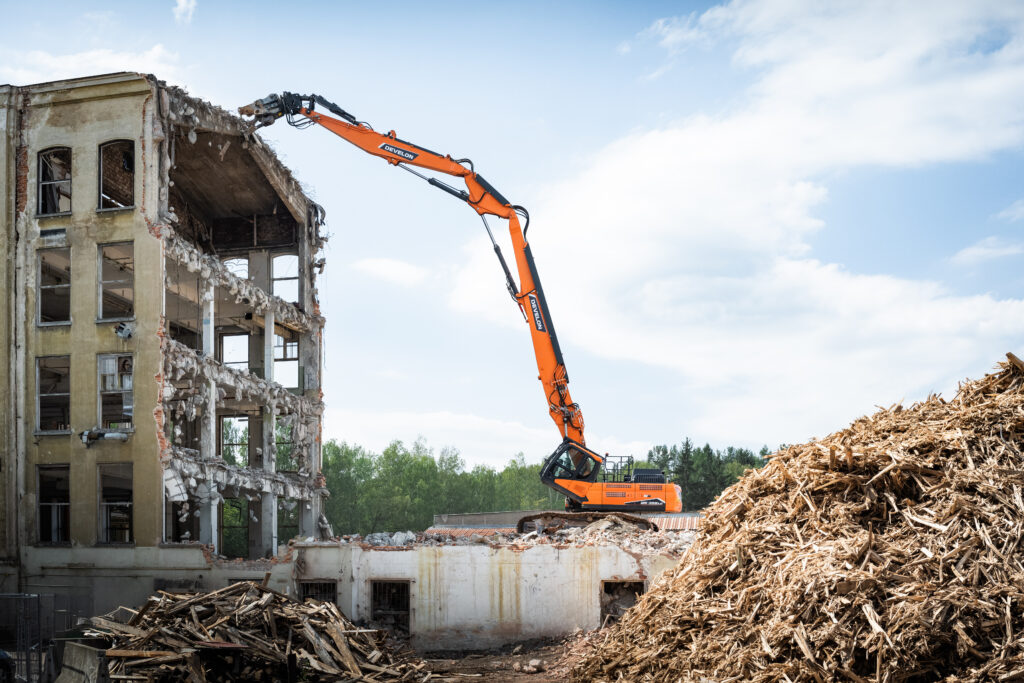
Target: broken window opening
[617,597]
[238,266]
[286,361]
[287,519]
[234,440]
[54,516]
[234,351]
[54,305]
[117,281]
[53,394]
[115,481]
[389,605]
[115,389]
[321,591]
[286,459]
[285,277]
[181,522]
[234,527]
[54,178]
[117,175]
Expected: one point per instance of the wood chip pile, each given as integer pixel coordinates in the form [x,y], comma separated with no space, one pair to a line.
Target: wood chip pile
[248,632]
[890,551]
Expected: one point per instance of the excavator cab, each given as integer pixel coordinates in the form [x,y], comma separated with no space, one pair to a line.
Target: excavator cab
[570,470]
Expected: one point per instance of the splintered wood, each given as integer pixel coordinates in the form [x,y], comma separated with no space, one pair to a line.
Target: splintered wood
[248,632]
[889,551]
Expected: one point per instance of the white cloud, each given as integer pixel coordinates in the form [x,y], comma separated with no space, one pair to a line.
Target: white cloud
[1013,213]
[624,48]
[391,270]
[37,66]
[988,249]
[698,260]
[183,10]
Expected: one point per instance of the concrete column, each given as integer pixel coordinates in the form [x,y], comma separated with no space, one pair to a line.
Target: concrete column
[268,501]
[208,427]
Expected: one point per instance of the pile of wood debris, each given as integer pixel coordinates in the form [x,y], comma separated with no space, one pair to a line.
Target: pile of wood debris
[247,631]
[890,551]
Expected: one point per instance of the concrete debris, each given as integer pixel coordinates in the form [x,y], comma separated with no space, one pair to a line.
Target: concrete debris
[211,270]
[207,480]
[185,395]
[386,539]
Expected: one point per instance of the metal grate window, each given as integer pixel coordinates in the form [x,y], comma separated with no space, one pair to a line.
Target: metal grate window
[321,591]
[389,605]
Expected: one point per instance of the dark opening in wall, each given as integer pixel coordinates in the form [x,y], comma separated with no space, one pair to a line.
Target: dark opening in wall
[117,175]
[322,591]
[54,178]
[234,528]
[617,597]
[389,605]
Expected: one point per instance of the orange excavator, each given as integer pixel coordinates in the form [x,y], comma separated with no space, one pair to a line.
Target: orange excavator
[573,469]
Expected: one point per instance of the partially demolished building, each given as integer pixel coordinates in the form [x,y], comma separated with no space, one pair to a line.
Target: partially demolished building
[161,370]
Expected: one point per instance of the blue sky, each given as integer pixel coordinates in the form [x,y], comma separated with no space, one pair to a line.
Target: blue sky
[755,221]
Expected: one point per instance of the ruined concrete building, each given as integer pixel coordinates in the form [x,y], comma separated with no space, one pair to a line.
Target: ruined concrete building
[161,333]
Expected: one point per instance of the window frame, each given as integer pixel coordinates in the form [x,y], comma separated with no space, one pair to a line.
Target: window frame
[40,504]
[100,390]
[40,287]
[103,532]
[274,279]
[100,282]
[40,182]
[99,177]
[38,430]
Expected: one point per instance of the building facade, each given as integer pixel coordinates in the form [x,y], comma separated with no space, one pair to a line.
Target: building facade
[161,355]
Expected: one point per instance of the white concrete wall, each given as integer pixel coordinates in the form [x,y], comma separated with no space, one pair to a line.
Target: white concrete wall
[478,596]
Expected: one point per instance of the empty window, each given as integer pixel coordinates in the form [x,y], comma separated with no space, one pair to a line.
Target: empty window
[284,447]
[117,281]
[115,481]
[234,527]
[287,518]
[117,174]
[234,440]
[115,388]
[53,389]
[55,181]
[54,286]
[234,351]
[54,486]
[286,361]
[285,277]
[321,591]
[389,605]
[238,266]
[617,597]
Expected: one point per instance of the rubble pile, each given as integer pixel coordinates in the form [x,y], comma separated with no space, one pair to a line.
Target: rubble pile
[247,631]
[889,551]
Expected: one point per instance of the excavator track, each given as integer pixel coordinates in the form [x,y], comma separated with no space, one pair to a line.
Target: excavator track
[552,521]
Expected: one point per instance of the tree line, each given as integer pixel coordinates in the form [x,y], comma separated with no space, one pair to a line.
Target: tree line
[403,487]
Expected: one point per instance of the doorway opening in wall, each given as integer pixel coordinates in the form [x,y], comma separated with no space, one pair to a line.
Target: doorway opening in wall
[389,605]
[321,591]
[617,597]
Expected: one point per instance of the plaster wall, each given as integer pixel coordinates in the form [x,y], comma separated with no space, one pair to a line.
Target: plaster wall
[83,118]
[8,459]
[482,596]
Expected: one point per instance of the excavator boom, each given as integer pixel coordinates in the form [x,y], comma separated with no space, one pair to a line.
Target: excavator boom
[573,469]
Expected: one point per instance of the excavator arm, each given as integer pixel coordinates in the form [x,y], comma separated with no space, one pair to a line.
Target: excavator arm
[572,460]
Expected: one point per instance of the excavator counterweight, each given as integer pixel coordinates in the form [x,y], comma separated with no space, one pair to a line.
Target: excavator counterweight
[572,469]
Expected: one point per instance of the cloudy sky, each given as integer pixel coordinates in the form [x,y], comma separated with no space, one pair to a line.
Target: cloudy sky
[755,221]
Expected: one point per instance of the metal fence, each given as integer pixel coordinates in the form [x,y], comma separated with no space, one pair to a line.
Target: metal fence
[30,626]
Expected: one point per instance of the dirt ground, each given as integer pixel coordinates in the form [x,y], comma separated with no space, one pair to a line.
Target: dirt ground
[500,664]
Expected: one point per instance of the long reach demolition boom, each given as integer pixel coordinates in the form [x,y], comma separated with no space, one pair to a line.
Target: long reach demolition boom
[573,468]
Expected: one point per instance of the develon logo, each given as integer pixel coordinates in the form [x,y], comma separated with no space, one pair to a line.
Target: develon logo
[538,320]
[398,151]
